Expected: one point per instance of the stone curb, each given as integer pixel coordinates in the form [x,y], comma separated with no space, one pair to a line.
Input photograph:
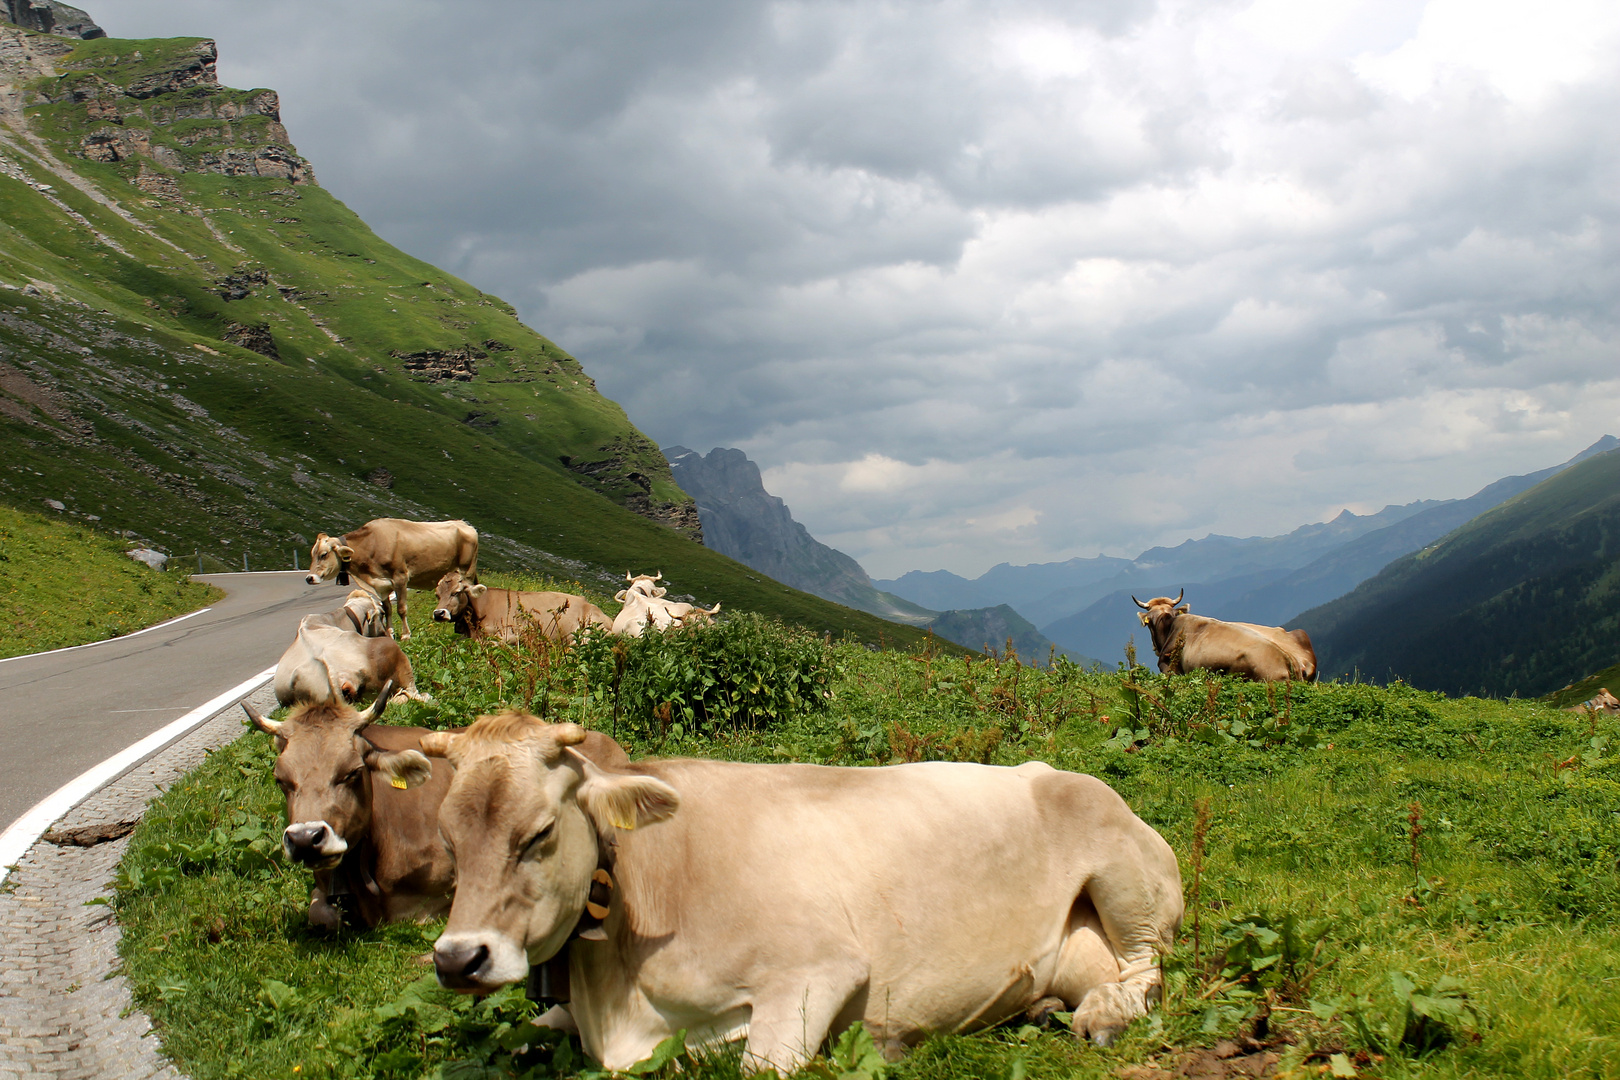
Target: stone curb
[65,1010]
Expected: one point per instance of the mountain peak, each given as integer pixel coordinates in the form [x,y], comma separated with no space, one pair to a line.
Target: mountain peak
[50,17]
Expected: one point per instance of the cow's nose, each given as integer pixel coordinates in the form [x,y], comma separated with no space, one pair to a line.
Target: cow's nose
[457,963]
[304,840]
[311,579]
[441,614]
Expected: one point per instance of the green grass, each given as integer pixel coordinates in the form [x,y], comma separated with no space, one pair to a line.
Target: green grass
[68,585]
[1309,793]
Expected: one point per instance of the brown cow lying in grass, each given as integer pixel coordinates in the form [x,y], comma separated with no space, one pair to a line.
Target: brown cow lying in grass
[373,845]
[1184,641]
[480,611]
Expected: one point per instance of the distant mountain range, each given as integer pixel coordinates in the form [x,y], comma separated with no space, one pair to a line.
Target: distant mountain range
[742,520]
[1084,605]
[1522,599]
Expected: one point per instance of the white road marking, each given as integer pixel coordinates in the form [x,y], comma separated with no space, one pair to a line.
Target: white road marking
[104,641]
[16,840]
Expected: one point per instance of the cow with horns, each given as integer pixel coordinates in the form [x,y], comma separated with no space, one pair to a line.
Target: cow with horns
[1183,641]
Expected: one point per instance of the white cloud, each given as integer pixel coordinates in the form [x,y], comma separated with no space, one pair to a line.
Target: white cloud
[1019,280]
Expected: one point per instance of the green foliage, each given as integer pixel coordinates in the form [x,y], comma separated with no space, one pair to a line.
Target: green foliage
[742,671]
[64,585]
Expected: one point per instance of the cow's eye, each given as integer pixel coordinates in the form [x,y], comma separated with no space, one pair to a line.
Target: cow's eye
[354,776]
[537,839]
[286,786]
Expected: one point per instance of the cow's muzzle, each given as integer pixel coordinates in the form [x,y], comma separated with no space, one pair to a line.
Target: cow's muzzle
[441,614]
[458,964]
[313,844]
[311,579]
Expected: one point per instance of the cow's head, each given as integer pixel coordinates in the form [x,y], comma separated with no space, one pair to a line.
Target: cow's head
[455,593]
[1605,701]
[366,609]
[328,557]
[1159,615]
[324,767]
[524,819]
[643,584]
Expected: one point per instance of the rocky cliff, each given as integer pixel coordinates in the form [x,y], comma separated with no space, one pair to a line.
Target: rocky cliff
[50,17]
[743,520]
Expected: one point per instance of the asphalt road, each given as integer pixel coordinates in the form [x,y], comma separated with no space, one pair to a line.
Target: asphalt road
[61,713]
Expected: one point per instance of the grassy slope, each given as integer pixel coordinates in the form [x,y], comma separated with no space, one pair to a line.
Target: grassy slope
[1519,900]
[66,585]
[124,400]
[1521,599]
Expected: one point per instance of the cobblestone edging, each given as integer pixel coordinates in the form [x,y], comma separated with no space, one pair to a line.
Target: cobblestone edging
[64,1013]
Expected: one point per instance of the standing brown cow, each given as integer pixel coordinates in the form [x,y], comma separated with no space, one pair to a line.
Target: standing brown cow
[391,555]
[479,611]
[1183,641]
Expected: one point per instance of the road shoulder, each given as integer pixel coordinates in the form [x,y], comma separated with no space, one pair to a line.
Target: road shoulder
[65,1011]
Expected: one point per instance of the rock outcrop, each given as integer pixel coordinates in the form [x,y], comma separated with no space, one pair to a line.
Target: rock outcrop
[50,17]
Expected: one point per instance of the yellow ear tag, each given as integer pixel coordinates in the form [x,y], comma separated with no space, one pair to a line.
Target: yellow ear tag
[399,782]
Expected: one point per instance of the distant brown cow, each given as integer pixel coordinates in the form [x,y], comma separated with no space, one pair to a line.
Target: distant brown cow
[479,611]
[391,555]
[1184,641]
[374,847]
[1602,701]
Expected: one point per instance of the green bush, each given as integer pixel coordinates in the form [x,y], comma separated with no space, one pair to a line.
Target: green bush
[744,671]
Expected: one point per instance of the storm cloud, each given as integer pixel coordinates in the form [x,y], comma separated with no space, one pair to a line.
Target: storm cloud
[1008,280]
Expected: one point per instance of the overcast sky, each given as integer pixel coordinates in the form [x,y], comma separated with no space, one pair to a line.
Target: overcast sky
[1007,281]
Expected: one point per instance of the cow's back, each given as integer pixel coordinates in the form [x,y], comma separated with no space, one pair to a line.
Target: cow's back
[423,551]
[944,877]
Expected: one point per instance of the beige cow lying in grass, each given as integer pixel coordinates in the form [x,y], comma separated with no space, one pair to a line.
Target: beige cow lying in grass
[645,606]
[780,904]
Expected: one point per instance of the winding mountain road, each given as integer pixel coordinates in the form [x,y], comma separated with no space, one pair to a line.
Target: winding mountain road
[64,712]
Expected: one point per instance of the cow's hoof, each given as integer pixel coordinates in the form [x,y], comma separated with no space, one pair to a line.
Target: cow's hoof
[1041,1012]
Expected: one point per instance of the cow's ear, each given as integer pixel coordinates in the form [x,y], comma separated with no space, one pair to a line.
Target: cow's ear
[1184,609]
[619,596]
[478,590]
[405,769]
[438,743]
[623,800]
[344,552]
[1144,618]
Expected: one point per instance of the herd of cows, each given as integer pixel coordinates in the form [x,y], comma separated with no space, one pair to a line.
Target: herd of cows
[773,903]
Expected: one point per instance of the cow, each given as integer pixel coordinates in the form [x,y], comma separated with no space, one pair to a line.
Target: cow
[391,555]
[479,611]
[645,606]
[362,612]
[374,847]
[1602,702]
[782,903]
[1183,641]
[328,663]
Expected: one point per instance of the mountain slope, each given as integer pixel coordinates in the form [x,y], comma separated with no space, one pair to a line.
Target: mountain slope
[200,345]
[1343,568]
[743,520]
[1522,599]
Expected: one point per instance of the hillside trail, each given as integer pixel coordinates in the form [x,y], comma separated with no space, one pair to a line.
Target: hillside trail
[64,712]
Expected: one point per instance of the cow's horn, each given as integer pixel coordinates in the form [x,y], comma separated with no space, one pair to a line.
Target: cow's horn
[269,727]
[375,710]
[1138,602]
[658,576]
[1179,595]
[627,576]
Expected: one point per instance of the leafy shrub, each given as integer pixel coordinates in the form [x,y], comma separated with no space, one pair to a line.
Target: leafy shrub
[744,671]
